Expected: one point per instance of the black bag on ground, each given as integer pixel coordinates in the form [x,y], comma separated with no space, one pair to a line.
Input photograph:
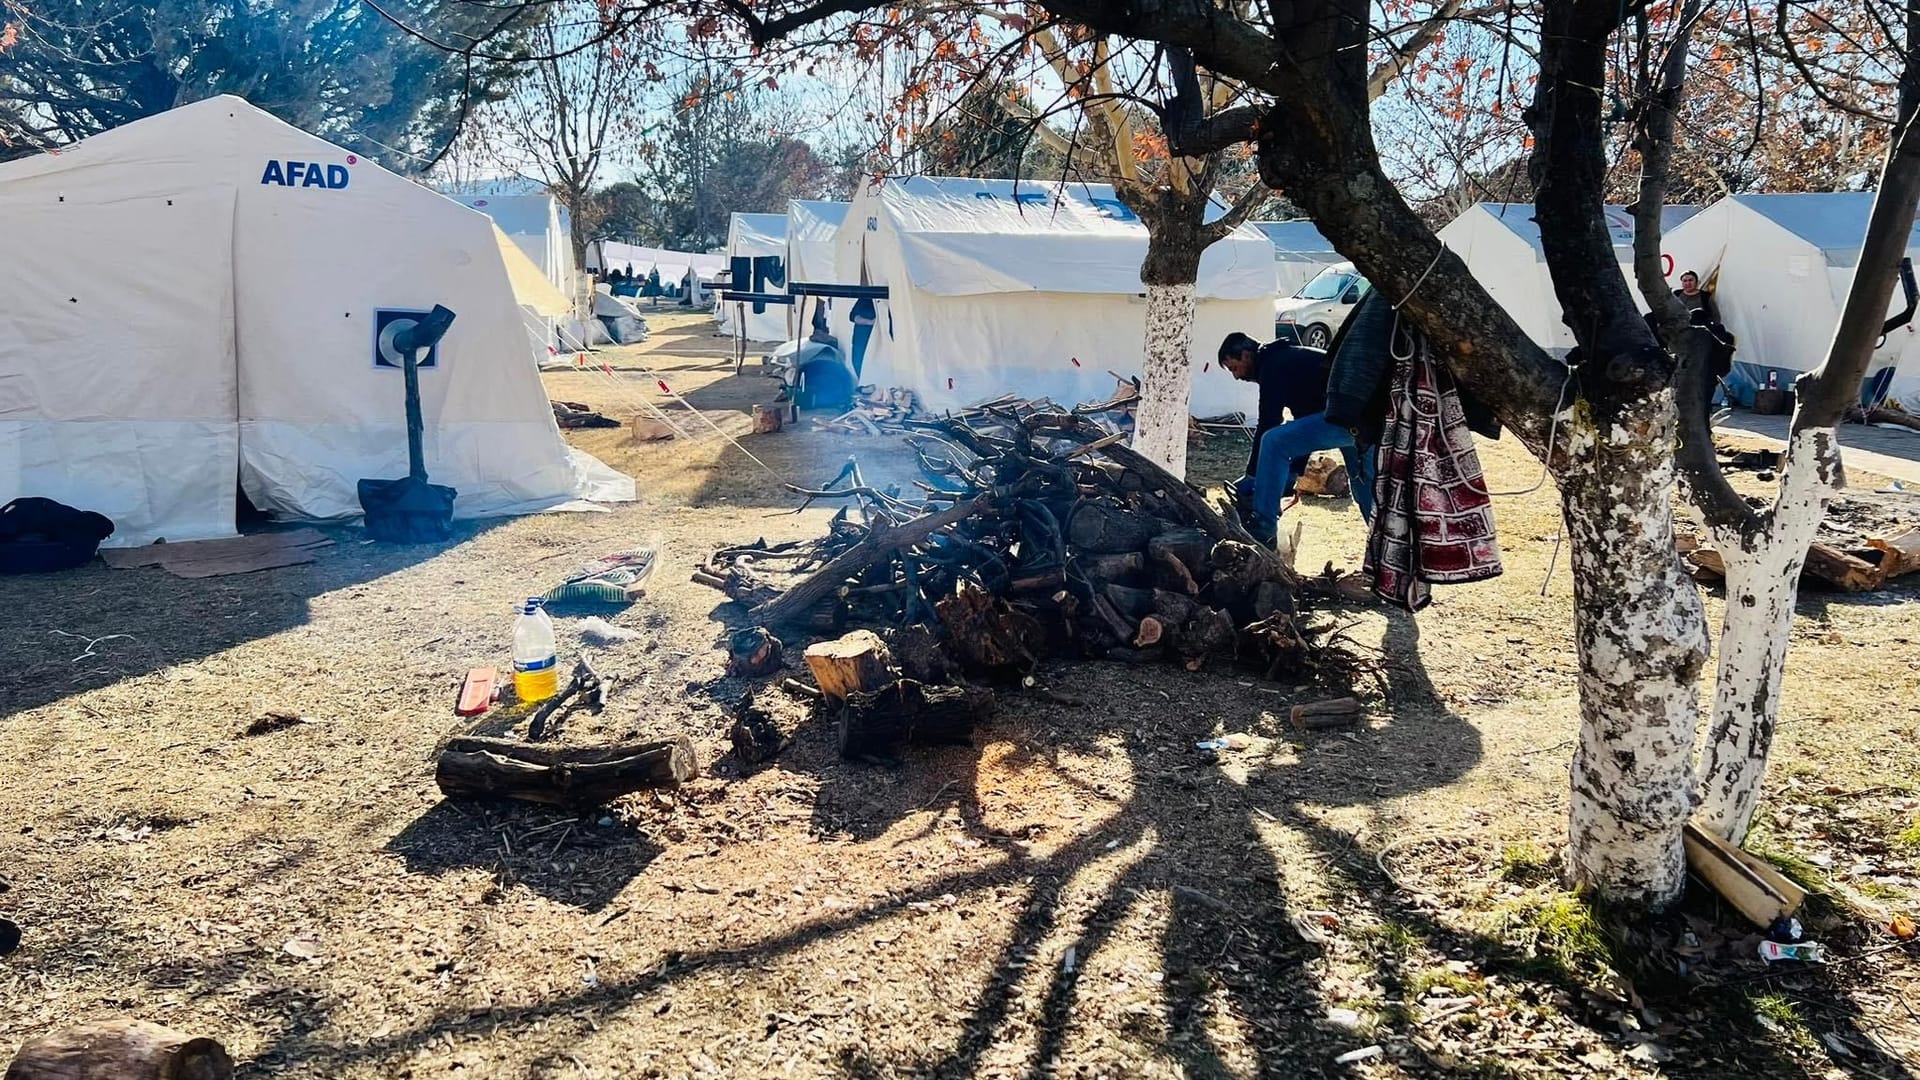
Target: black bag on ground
[39,536]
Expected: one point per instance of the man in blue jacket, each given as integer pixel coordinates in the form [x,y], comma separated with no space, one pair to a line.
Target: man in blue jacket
[1329,395]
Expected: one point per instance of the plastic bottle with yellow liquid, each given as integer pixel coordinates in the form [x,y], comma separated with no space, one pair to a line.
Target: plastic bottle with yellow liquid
[536,663]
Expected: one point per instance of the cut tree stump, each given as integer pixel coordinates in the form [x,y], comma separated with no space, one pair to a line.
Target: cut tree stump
[920,656]
[476,767]
[908,712]
[768,419]
[857,661]
[753,652]
[650,429]
[120,1050]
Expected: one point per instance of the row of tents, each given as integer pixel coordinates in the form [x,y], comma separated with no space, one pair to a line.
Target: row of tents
[997,285]
[237,338]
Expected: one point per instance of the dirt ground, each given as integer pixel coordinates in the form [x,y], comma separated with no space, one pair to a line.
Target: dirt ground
[1082,894]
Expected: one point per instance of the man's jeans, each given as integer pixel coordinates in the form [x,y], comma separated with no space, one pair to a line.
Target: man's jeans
[1297,439]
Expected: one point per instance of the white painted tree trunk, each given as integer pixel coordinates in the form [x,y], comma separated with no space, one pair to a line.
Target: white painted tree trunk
[1166,379]
[1641,633]
[1763,581]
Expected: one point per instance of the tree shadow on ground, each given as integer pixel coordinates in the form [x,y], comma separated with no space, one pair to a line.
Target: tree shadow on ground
[568,858]
[79,630]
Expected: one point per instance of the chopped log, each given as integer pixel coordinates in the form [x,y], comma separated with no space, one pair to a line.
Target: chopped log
[1109,567]
[1899,553]
[120,1050]
[1878,415]
[793,604]
[1705,564]
[858,661]
[909,712]
[767,418]
[1116,625]
[802,690]
[651,429]
[1129,602]
[1177,575]
[1271,596]
[756,735]
[1208,631]
[920,656]
[1173,608]
[1749,883]
[1845,572]
[987,635]
[476,767]
[1104,528]
[753,652]
[1150,632]
[1773,401]
[1192,547]
[1321,715]
[1325,475]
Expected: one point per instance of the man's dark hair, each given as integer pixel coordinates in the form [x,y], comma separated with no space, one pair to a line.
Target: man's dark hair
[1236,344]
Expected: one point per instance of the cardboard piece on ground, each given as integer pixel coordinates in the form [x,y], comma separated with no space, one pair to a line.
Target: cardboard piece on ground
[217,558]
[1748,882]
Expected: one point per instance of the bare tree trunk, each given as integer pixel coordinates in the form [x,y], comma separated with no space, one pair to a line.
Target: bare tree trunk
[1166,378]
[1176,237]
[1641,635]
[1764,556]
[1762,581]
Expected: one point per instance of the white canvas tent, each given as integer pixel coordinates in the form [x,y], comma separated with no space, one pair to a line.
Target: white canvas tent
[698,277]
[762,240]
[1779,267]
[534,223]
[1500,243]
[1299,252]
[812,226]
[1033,288]
[241,341]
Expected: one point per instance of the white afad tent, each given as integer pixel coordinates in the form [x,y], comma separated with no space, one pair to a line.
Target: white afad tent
[260,267]
[1779,267]
[1500,243]
[812,226]
[1299,252]
[534,222]
[1027,287]
[757,243]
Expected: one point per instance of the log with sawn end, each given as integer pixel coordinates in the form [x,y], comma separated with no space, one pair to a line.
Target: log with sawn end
[477,767]
[855,661]
[908,712]
[120,1050]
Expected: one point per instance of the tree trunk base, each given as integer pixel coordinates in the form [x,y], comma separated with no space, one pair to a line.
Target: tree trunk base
[910,713]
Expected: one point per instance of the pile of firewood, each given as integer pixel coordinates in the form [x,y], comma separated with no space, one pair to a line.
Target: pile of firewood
[1865,567]
[1035,532]
[876,411]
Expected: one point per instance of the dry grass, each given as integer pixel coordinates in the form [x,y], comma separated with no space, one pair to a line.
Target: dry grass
[818,919]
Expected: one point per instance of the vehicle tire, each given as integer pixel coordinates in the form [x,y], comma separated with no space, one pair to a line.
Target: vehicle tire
[1316,337]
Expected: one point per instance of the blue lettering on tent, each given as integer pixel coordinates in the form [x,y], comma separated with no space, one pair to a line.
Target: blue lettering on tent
[1114,208]
[1030,197]
[306,174]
